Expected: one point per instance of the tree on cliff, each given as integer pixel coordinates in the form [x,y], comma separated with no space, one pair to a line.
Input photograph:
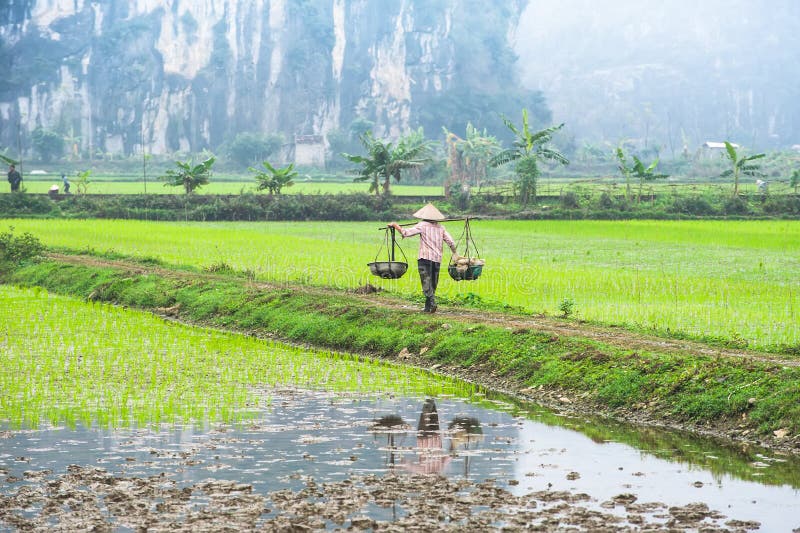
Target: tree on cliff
[247,148]
[48,144]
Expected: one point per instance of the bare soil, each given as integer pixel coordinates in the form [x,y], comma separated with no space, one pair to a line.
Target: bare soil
[88,498]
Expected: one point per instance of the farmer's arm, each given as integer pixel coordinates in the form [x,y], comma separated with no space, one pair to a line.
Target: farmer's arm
[449,240]
[410,232]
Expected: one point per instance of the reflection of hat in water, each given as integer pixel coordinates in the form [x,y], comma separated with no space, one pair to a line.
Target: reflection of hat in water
[429,212]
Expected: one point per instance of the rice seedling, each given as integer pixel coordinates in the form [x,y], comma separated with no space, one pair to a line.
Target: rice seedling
[64,361]
[729,280]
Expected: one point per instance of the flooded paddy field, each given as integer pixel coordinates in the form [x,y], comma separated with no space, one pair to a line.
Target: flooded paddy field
[323,460]
[112,419]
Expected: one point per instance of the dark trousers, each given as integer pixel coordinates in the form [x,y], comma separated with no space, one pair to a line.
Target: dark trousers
[429,276]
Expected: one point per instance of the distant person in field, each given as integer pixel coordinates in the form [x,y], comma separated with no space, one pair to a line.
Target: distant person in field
[65,181]
[432,235]
[14,178]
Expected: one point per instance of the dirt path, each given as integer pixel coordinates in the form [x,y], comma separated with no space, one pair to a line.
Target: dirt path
[613,336]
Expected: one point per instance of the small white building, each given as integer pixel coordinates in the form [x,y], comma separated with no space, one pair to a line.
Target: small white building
[712,145]
[309,151]
[713,148]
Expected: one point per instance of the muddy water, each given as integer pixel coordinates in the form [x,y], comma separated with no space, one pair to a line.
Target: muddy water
[348,444]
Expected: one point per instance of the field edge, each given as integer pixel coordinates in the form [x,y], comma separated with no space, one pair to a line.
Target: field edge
[752,400]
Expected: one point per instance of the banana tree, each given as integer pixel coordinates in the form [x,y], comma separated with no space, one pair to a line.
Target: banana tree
[385,161]
[638,171]
[528,148]
[740,166]
[189,176]
[7,160]
[275,179]
[469,157]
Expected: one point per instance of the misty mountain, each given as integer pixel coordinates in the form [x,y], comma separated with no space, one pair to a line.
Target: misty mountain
[183,76]
[669,73]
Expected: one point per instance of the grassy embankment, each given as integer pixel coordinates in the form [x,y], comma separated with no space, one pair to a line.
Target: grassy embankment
[114,185]
[752,394]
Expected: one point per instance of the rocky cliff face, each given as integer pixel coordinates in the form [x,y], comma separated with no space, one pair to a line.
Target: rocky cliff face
[185,75]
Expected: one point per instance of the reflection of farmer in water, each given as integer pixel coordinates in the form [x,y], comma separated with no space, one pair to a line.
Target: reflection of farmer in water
[431,457]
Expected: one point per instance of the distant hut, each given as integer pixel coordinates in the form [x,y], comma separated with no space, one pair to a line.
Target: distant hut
[711,148]
[309,151]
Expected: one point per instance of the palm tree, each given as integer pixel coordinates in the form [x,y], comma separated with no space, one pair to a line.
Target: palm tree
[385,161]
[7,160]
[740,165]
[372,164]
[637,170]
[188,176]
[528,148]
[469,157]
[275,179]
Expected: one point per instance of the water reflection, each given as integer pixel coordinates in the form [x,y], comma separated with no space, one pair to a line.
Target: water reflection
[394,429]
[431,458]
[465,433]
[327,437]
[431,455]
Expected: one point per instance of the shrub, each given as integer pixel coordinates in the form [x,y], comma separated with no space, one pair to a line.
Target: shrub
[17,249]
[737,205]
[782,205]
[569,200]
[693,205]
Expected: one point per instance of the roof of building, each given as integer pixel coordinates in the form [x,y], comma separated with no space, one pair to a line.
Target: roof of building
[717,145]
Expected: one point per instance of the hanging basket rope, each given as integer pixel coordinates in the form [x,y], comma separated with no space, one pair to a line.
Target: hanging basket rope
[389,269]
[467,267]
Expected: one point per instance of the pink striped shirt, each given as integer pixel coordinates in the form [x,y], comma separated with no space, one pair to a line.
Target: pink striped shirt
[431,236]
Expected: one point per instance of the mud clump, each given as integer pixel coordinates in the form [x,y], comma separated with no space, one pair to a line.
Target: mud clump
[367,289]
[90,498]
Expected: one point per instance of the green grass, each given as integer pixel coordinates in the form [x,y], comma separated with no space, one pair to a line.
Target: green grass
[113,185]
[65,361]
[733,282]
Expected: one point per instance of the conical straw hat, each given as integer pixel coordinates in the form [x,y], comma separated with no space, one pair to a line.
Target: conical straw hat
[429,212]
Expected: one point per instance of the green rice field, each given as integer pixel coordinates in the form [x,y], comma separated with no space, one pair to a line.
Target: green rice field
[728,280]
[66,361]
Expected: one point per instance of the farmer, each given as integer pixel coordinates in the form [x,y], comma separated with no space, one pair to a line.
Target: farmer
[14,178]
[431,235]
[65,181]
